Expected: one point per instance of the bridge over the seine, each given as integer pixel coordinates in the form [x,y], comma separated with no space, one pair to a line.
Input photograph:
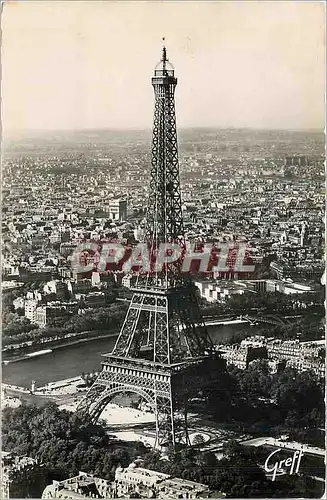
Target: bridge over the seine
[271,319]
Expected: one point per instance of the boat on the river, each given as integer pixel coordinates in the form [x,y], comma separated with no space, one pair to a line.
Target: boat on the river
[39,353]
[26,356]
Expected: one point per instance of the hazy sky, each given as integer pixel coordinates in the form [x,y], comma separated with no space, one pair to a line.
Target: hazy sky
[70,65]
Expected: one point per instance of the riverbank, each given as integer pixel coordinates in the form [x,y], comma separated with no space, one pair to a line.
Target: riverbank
[61,345]
[63,392]
[84,355]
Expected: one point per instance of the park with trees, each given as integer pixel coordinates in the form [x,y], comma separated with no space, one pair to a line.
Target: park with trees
[262,403]
[64,444]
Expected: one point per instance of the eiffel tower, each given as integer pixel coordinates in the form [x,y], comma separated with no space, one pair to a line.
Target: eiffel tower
[163,352]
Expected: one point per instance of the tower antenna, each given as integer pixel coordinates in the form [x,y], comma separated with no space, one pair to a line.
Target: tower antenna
[164,54]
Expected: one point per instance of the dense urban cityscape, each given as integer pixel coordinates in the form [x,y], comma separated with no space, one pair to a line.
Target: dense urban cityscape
[261,187]
[163,290]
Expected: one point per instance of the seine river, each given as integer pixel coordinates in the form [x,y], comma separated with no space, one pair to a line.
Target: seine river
[71,361]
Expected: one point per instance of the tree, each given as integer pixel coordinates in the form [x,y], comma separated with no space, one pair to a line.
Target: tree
[198,439]
[63,442]
[231,449]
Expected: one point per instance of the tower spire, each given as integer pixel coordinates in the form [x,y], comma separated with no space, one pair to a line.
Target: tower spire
[164,53]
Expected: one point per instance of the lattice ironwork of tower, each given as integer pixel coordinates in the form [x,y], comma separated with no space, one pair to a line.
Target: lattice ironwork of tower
[163,352]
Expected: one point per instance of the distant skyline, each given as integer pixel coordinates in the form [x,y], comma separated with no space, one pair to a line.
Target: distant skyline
[88,65]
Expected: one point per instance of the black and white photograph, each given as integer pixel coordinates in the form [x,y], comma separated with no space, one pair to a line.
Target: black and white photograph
[163,249]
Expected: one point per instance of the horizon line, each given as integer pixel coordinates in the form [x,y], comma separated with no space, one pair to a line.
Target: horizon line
[149,129]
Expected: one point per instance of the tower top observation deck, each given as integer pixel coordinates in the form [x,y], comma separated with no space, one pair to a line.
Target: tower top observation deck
[164,71]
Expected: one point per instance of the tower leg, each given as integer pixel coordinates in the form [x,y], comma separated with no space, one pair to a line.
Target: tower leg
[171,426]
[165,425]
[88,405]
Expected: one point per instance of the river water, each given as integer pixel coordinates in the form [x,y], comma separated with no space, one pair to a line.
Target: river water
[71,361]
